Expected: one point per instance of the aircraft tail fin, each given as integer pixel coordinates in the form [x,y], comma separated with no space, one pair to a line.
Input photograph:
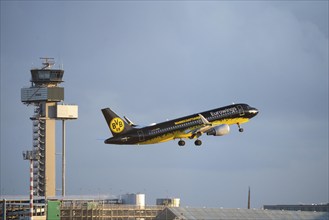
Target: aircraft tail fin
[116,124]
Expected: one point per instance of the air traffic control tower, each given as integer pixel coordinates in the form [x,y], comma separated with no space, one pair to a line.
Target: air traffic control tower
[45,94]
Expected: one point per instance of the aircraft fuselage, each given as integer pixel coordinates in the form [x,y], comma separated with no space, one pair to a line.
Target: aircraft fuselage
[191,126]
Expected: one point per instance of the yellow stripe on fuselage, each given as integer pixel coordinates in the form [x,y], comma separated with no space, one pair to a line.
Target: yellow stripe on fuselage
[181,134]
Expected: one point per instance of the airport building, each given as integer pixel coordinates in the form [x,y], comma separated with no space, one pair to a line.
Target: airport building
[300,207]
[174,213]
[169,202]
[128,206]
[116,209]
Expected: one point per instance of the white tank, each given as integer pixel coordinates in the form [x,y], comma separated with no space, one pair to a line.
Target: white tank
[176,202]
[134,199]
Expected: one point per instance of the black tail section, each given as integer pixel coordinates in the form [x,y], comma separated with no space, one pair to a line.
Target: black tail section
[116,124]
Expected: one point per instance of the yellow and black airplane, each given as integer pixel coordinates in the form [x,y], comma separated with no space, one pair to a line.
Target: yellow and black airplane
[215,122]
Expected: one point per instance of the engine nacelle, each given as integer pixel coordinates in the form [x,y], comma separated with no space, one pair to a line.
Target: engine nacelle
[219,130]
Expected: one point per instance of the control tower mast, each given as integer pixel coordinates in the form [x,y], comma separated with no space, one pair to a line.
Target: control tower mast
[44,94]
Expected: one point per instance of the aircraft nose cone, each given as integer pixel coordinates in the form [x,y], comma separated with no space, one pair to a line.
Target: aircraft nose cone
[254,111]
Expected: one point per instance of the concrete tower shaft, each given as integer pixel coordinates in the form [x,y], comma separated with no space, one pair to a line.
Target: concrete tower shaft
[44,128]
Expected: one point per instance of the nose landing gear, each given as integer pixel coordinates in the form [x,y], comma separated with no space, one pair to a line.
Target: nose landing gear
[240,129]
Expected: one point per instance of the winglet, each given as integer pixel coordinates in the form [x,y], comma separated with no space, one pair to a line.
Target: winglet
[204,120]
[129,121]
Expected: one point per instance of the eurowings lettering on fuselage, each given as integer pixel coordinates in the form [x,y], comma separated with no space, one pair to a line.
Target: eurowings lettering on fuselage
[215,122]
[224,112]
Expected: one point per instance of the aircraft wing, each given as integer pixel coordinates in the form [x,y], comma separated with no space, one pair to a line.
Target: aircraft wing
[200,130]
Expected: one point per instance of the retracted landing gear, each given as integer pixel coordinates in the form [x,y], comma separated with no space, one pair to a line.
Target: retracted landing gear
[198,142]
[181,143]
[240,129]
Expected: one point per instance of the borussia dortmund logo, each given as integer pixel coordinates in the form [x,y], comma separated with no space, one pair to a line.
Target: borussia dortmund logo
[117,125]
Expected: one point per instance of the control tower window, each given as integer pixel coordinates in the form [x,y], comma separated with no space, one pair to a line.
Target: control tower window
[44,75]
[53,76]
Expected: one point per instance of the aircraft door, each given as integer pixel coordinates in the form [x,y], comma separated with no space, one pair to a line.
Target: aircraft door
[241,111]
[140,135]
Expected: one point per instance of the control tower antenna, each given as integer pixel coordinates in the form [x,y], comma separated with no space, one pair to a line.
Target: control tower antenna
[47,63]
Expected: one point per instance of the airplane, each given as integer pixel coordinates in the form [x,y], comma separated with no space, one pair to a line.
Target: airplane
[214,122]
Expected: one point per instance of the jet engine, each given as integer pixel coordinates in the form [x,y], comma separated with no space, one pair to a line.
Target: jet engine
[219,130]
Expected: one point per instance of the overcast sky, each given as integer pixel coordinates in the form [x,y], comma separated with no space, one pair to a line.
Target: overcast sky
[153,61]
